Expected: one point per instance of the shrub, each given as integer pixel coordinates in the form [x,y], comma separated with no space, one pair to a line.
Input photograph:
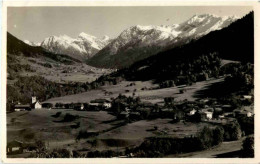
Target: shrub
[69,117]
[248,148]
[232,131]
[57,115]
[218,135]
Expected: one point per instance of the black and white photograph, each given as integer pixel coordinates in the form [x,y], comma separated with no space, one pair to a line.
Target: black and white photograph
[130,82]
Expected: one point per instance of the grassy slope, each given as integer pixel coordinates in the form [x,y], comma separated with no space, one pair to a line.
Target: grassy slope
[153,96]
[40,125]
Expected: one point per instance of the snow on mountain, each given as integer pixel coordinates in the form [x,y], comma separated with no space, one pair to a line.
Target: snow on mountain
[196,26]
[31,43]
[159,36]
[82,47]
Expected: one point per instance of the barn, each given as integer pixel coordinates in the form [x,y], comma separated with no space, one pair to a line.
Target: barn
[14,147]
[20,107]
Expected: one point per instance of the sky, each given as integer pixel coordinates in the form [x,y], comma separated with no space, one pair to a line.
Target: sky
[37,23]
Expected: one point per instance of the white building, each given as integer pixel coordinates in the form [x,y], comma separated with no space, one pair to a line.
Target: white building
[107,105]
[37,105]
[192,112]
[209,115]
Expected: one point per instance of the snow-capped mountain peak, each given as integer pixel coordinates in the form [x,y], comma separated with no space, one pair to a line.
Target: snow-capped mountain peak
[31,43]
[86,36]
[82,47]
[143,37]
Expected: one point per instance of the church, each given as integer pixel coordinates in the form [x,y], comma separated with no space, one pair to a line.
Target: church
[35,103]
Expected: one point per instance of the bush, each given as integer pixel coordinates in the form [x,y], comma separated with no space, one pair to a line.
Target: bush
[57,115]
[248,148]
[206,138]
[232,131]
[218,135]
[69,117]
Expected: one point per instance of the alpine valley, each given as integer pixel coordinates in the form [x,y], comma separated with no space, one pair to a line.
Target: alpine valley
[133,44]
[171,91]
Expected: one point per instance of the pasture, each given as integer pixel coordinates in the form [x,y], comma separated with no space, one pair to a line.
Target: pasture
[113,134]
[149,95]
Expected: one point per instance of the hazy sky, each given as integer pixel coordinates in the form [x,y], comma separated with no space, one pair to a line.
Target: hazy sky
[37,23]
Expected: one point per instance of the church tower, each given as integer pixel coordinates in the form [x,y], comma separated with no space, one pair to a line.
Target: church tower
[33,99]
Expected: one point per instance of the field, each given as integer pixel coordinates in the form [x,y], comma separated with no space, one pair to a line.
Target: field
[226,149]
[29,126]
[61,73]
[153,96]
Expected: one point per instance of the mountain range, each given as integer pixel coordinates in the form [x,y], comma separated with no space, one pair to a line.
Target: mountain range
[235,43]
[139,42]
[133,44]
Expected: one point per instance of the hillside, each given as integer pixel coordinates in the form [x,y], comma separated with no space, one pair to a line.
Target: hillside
[33,71]
[235,42]
[18,47]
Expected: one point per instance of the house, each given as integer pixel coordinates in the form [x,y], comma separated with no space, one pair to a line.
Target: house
[209,115]
[100,102]
[247,97]
[206,115]
[19,107]
[15,147]
[192,112]
[79,106]
[107,105]
[217,109]
[228,114]
[94,104]
[242,112]
[37,105]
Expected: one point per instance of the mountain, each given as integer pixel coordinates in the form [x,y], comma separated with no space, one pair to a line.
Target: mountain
[81,48]
[32,43]
[199,57]
[16,47]
[139,42]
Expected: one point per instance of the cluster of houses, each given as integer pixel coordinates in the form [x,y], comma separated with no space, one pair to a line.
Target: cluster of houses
[220,112]
[35,104]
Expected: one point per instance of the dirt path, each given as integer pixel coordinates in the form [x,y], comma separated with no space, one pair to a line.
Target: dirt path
[217,152]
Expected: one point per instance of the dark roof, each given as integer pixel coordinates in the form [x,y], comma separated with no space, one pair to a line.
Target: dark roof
[99,101]
[15,143]
[22,106]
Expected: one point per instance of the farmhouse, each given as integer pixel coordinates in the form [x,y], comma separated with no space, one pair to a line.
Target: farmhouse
[101,102]
[107,105]
[206,115]
[14,147]
[19,107]
[192,112]
[243,112]
[247,97]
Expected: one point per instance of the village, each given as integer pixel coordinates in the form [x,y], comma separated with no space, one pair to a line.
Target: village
[132,109]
